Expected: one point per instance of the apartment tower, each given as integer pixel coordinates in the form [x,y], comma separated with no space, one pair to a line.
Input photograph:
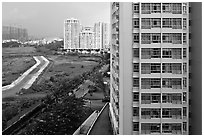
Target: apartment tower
[71,34]
[101,35]
[150,68]
[87,38]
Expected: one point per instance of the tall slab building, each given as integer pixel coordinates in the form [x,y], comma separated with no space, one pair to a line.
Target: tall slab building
[71,33]
[87,38]
[150,86]
[101,35]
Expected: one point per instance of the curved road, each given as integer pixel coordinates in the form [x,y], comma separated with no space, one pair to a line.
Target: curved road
[23,83]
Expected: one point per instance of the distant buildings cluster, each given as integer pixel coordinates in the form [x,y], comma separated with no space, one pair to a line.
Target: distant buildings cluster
[77,37]
[17,33]
[35,42]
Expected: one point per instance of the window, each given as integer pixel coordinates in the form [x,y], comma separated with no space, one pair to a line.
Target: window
[147,83]
[136,67]
[184,38]
[184,82]
[145,98]
[136,7]
[176,53]
[136,37]
[166,113]
[166,23]
[184,97]
[155,98]
[145,113]
[176,113]
[184,52]
[166,128]
[177,8]
[176,68]
[148,53]
[155,53]
[156,23]
[166,98]
[136,52]
[136,96]
[184,8]
[135,126]
[166,7]
[184,126]
[155,83]
[167,38]
[176,127]
[136,22]
[166,68]
[145,68]
[148,113]
[166,53]
[184,67]
[146,8]
[146,128]
[176,23]
[184,111]
[146,38]
[146,23]
[156,8]
[155,68]
[174,98]
[156,38]
[136,111]
[135,82]
[177,38]
[174,83]
[184,23]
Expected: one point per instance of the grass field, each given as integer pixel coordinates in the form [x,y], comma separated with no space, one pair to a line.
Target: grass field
[71,66]
[15,61]
[19,50]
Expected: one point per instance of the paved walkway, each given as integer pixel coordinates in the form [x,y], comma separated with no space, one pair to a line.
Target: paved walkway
[22,76]
[83,89]
[102,125]
[84,128]
[22,83]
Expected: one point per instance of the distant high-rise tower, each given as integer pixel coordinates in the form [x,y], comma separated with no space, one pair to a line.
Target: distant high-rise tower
[10,32]
[87,38]
[71,34]
[150,82]
[101,35]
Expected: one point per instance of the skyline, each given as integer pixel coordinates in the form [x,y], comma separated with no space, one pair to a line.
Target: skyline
[49,23]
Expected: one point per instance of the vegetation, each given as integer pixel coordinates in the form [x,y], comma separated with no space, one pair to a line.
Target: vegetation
[50,48]
[10,44]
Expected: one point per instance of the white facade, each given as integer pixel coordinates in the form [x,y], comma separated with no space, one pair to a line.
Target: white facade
[101,35]
[149,68]
[71,34]
[87,38]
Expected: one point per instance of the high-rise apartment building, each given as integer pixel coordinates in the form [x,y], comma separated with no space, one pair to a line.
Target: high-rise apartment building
[101,35]
[150,68]
[71,34]
[87,38]
[11,32]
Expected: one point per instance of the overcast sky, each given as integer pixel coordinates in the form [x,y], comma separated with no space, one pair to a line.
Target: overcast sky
[46,19]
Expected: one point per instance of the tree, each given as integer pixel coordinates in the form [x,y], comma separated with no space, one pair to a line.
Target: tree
[60,118]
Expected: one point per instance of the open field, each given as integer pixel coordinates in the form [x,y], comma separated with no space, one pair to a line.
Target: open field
[15,61]
[69,66]
[19,50]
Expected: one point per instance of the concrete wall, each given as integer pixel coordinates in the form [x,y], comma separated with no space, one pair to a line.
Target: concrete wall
[125,66]
[196,68]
